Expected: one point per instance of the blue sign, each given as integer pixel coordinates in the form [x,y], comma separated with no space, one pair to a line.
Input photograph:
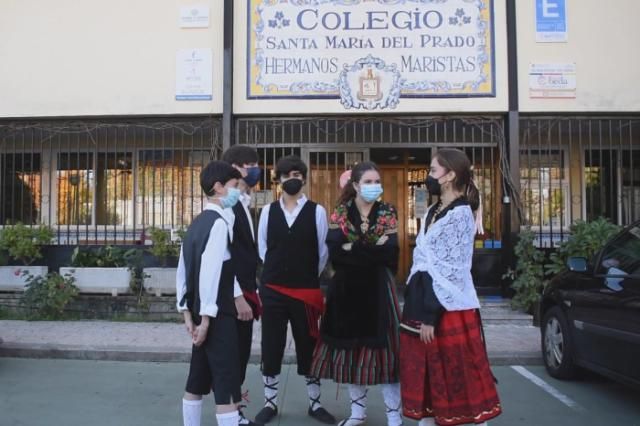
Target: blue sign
[551,20]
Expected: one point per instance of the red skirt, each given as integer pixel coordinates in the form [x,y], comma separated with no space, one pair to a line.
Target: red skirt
[450,378]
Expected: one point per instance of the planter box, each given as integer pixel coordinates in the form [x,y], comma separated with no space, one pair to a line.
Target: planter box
[160,281]
[11,278]
[100,280]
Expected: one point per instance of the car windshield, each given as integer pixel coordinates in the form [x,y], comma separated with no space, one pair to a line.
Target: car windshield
[622,256]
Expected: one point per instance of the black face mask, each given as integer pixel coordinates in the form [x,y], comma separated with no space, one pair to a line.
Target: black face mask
[433,186]
[292,186]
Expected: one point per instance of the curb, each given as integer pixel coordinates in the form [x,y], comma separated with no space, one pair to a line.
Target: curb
[123,353]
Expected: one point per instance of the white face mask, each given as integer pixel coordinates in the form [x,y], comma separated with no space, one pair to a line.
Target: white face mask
[232,197]
[370,191]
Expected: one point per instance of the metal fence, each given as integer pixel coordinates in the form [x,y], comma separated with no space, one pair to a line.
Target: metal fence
[332,144]
[372,131]
[104,181]
[578,168]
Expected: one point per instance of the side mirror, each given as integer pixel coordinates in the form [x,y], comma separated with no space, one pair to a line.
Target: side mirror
[577,264]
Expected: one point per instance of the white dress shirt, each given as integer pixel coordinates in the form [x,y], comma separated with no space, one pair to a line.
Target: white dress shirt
[216,252]
[245,199]
[322,228]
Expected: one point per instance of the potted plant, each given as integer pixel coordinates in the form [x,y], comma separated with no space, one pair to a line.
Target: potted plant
[162,280]
[104,270]
[24,245]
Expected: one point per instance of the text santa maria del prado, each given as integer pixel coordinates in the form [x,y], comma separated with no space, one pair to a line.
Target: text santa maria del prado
[415,48]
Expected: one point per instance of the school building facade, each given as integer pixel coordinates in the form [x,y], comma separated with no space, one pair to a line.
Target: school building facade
[109,109]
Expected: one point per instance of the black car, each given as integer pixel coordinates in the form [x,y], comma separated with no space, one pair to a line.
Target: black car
[591,313]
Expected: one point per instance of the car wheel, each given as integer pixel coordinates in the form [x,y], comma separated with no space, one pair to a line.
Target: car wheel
[557,345]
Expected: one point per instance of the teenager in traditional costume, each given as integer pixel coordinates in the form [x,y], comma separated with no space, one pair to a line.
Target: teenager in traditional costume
[244,252]
[444,368]
[210,298]
[359,331]
[291,242]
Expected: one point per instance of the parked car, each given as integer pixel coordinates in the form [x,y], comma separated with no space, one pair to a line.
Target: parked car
[591,313]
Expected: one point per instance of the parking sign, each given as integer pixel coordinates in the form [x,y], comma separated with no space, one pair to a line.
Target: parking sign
[551,21]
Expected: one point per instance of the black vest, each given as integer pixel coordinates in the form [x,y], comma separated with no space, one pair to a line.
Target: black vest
[292,253]
[192,248]
[244,251]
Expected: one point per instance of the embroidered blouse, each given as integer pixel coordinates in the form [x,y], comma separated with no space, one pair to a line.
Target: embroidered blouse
[445,251]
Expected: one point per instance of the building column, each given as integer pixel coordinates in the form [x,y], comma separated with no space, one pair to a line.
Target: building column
[511,220]
[227,96]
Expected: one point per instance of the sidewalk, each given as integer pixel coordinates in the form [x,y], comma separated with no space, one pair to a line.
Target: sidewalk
[511,339]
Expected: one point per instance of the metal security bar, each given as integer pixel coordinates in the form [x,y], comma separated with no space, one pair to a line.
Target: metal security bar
[578,168]
[396,143]
[106,181]
[373,131]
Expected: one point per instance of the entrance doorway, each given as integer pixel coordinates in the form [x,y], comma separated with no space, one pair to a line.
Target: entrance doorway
[404,172]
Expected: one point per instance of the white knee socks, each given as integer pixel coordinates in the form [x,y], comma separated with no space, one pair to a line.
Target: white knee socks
[191,412]
[391,394]
[271,390]
[228,419]
[313,389]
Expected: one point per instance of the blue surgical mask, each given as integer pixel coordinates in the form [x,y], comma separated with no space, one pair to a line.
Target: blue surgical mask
[370,192]
[253,176]
[232,197]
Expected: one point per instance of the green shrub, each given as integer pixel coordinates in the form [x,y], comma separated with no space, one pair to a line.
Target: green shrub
[528,277]
[163,248]
[587,238]
[103,257]
[45,297]
[24,243]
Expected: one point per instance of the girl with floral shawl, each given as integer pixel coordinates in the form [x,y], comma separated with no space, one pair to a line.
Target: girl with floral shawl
[359,336]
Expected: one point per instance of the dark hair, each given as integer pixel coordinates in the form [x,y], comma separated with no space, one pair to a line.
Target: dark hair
[458,162]
[349,192]
[240,155]
[290,163]
[217,171]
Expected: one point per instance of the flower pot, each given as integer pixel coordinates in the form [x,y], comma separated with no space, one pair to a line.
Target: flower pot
[100,280]
[12,278]
[160,281]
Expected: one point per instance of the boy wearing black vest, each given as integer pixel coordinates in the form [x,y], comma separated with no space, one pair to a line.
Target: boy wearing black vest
[210,297]
[244,250]
[291,242]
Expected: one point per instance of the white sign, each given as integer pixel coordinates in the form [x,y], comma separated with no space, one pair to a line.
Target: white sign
[549,81]
[194,75]
[194,16]
[551,21]
[370,54]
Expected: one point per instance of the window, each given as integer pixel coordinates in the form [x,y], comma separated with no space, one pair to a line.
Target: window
[631,187]
[169,191]
[601,184]
[76,181]
[21,188]
[623,254]
[545,189]
[94,189]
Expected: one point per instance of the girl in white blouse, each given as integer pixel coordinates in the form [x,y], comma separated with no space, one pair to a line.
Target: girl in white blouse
[444,369]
